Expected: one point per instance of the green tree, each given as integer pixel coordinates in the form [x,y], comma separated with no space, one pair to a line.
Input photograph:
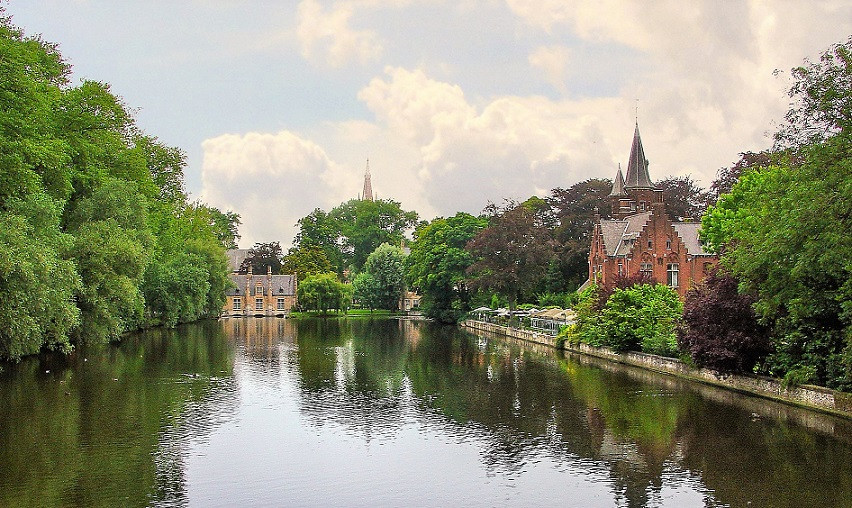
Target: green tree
[782,229]
[364,225]
[641,318]
[37,307]
[306,260]
[385,266]
[263,256]
[438,262]
[366,290]
[324,291]
[574,209]
[684,198]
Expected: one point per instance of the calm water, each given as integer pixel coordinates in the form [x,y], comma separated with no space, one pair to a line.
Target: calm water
[272,412]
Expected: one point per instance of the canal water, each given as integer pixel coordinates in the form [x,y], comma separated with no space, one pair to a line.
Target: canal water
[360,412]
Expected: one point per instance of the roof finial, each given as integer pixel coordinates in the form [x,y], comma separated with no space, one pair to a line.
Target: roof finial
[637,112]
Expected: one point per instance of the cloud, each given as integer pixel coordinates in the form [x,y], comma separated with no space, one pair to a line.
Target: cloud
[553,62]
[326,37]
[271,180]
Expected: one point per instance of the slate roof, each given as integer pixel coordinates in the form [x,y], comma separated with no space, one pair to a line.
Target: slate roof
[619,235]
[618,186]
[688,233]
[282,285]
[236,258]
[637,168]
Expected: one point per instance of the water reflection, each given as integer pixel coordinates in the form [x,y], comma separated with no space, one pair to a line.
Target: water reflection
[365,412]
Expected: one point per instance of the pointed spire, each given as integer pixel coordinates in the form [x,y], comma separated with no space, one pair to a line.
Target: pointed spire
[637,167]
[618,185]
[368,186]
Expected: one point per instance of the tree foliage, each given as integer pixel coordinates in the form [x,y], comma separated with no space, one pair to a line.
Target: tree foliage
[306,260]
[323,291]
[386,277]
[511,254]
[783,231]
[263,256]
[352,230]
[97,236]
[720,329]
[684,198]
[438,262]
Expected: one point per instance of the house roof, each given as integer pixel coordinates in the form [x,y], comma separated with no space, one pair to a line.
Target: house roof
[637,168]
[236,258]
[281,285]
[688,233]
[618,235]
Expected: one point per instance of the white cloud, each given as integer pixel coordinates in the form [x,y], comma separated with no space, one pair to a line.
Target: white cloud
[326,36]
[271,180]
[553,62]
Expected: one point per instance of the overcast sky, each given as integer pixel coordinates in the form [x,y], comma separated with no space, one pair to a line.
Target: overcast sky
[278,104]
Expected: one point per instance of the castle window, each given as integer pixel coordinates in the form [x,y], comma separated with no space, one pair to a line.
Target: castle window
[238,303]
[258,304]
[672,271]
[650,244]
[280,304]
[668,244]
[620,269]
[646,269]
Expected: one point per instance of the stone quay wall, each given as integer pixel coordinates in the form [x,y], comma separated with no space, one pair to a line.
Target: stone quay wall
[813,397]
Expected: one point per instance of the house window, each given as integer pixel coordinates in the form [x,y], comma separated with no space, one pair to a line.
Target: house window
[642,206]
[258,304]
[650,244]
[646,269]
[258,290]
[280,304]
[668,244]
[672,270]
[238,303]
[620,269]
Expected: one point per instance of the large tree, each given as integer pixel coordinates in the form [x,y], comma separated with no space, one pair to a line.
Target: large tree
[386,273]
[783,230]
[438,262]
[511,254]
[306,260]
[263,256]
[323,291]
[684,199]
[574,209]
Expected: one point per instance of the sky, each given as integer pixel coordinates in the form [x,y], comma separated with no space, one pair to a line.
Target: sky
[279,104]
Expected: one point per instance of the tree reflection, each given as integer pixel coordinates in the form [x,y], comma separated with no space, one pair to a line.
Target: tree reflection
[82,430]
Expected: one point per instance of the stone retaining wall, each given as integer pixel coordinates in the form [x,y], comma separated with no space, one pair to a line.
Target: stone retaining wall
[814,397]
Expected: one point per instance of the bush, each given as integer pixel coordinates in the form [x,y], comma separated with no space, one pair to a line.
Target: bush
[643,317]
[720,330]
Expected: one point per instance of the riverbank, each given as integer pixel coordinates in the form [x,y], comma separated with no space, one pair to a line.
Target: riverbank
[811,397]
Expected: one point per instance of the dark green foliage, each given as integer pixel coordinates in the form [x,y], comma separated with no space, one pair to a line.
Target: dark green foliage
[437,265]
[511,255]
[720,330]
[263,256]
[306,260]
[641,318]
[684,198]
[97,237]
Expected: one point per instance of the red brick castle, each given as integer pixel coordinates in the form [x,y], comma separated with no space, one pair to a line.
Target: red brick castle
[640,238]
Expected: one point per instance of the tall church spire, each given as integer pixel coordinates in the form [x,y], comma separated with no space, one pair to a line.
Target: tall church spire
[368,187]
[637,168]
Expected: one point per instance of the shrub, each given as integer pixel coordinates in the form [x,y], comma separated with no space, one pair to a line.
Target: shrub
[720,330]
[643,317]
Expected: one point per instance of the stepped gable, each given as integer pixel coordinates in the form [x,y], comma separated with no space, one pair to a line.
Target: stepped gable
[688,233]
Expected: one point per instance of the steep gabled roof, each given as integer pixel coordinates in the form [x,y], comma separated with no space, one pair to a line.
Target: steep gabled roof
[236,258]
[619,235]
[618,185]
[688,233]
[637,167]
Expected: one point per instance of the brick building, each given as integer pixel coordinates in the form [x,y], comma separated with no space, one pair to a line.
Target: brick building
[258,295]
[640,237]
